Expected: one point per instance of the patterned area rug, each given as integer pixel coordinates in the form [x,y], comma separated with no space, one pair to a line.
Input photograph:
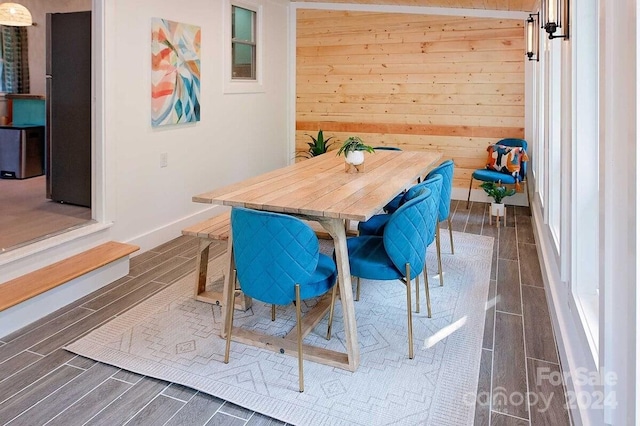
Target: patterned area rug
[172,337]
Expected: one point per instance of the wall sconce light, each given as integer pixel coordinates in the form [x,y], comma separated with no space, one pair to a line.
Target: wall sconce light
[555,16]
[14,15]
[533,37]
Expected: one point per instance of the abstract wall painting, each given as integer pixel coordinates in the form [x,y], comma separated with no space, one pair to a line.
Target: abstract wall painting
[175,72]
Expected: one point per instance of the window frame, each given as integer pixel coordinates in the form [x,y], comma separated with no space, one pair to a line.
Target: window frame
[568,171]
[585,213]
[554,146]
[542,114]
[242,85]
[252,43]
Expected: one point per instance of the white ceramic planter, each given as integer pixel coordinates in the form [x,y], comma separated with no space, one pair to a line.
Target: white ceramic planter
[355,157]
[497,209]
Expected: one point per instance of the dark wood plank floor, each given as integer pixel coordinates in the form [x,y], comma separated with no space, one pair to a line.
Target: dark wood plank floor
[41,383]
[519,349]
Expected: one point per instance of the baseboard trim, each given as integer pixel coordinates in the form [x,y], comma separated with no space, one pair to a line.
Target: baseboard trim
[172,230]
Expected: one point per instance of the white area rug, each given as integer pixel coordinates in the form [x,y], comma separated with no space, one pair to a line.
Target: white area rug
[172,337]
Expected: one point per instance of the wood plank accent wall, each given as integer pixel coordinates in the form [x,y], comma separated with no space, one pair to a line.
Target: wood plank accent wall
[418,82]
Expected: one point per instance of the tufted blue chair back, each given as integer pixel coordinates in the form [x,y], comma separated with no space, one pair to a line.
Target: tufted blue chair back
[521,143]
[434,183]
[415,190]
[446,171]
[273,253]
[410,230]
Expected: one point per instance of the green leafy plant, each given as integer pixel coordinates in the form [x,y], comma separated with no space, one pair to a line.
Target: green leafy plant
[497,192]
[353,143]
[320,145]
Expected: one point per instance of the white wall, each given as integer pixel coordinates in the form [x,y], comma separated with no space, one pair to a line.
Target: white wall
[239,135]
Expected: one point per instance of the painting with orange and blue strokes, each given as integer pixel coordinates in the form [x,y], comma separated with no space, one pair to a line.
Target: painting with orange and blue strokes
[175,72]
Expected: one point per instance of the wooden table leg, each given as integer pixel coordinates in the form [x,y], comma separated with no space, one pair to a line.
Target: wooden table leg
[335,227]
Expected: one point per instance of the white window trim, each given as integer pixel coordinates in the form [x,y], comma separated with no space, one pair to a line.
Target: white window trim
[543,135]
[585,212]
[242,86]
[554,172]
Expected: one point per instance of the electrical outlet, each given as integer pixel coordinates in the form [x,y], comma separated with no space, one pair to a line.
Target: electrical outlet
[164,159]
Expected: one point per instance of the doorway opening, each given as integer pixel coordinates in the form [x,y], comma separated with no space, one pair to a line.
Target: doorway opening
[27,216]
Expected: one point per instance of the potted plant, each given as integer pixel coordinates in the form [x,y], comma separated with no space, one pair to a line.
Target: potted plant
[353,150]
[320,145]
[498,193]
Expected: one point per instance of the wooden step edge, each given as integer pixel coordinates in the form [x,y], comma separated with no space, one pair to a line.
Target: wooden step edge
[41,280]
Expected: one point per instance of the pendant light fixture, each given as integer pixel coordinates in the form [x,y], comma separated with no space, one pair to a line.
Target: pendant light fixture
[15,15]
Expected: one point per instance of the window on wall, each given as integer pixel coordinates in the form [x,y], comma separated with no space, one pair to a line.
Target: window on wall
[585,155]
[243,43]
[567,166]
[554,146]
[243,46]
[540,159]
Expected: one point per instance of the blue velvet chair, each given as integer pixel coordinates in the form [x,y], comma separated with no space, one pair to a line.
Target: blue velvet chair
[495,176]
[377,224]
[400,253]
[278,261]
[395,203]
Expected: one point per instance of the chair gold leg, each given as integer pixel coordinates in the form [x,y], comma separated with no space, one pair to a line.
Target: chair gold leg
[230,310]
[333,302]
[417,295]
[469,196]
[357,288]
[409,320]
[450,232]
[439,255]
[273,312]
[426,291]
[299,328]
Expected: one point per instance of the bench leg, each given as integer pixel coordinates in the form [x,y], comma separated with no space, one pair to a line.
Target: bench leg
[202,263]
[242,302]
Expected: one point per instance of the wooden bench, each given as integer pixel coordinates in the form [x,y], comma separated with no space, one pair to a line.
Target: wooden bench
[217,228]
[39,281]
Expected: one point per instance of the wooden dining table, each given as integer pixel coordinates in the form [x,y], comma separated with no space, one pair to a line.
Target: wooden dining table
[319,189]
